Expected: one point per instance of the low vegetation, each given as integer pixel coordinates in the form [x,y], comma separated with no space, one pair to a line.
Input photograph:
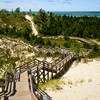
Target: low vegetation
[54,42]
[52,84]
[7,63]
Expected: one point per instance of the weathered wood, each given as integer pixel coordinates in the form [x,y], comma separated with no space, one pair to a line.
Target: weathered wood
[81,39]
[52,71]
[36,66]
[44,72]
[38,76]
[41,69]
[48,74]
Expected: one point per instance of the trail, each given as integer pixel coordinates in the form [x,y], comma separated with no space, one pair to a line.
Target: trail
[97,42]
[34,31]
[81,39]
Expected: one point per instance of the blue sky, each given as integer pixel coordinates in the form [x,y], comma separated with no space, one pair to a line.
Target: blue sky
[51,5]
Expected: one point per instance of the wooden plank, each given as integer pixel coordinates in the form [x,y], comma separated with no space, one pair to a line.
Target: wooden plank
[44,72]
[38,75]
[48,75]
[50,69]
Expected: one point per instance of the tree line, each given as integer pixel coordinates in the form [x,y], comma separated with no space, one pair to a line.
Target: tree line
[51,24]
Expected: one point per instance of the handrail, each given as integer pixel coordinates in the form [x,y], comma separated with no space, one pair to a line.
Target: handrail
[81,39]
[36,64]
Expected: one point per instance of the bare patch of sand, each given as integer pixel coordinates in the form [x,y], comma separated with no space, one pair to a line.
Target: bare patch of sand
[82,83]
[32,24]
[30,55]
[95,41]
[48,59]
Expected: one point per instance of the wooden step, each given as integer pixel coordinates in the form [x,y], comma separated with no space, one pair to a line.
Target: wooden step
[22,89]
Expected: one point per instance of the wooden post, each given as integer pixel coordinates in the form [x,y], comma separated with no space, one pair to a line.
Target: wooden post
[38,75]
[67,63]
[43,72]
[48,74]
[63,67]
[6,82]
[60,67]
[18,74]
[56,70]
[52,71]
[15,75]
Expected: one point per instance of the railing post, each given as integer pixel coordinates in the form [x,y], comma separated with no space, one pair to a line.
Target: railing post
[56,70]
[69,63]
[38,75]
[19,71]
[63,67]
[33,83]
[14,75]
[6,82]
[48,73]
[43,72]
[52,71]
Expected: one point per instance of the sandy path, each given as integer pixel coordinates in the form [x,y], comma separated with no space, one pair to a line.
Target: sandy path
[95,41]
[34,31]
[82,83]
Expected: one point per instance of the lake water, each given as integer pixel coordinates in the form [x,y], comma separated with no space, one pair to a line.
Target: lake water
[77,13]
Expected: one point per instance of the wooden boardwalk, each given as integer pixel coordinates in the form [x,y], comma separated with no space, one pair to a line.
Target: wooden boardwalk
[82,40]
[44,71]
[38,72]
[22,91]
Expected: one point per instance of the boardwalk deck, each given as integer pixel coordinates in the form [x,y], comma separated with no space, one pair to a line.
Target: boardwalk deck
[22,90]
[82,40]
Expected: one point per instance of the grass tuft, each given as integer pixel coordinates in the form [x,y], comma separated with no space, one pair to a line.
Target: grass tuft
[70,82]
[81,81]
[52,84]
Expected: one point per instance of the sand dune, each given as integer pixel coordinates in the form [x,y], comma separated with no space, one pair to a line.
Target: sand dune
[82,83]
[34,31]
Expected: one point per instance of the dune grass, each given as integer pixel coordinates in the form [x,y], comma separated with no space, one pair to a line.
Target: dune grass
[56,42]
[52,84]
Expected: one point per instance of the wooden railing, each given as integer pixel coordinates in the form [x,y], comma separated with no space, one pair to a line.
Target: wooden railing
[82,40]
[42,71]
[6,84]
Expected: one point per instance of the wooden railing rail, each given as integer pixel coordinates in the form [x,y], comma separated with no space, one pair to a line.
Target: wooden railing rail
[43,71]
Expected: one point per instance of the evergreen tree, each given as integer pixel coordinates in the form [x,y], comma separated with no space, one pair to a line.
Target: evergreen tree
[17,11]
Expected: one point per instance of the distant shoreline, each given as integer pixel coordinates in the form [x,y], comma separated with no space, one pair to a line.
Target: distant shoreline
[74,13]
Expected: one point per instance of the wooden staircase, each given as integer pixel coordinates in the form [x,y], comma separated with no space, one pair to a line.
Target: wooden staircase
[22,90]
[40,72]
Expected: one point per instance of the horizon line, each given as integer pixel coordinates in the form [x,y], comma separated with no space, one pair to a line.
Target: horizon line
[52,10]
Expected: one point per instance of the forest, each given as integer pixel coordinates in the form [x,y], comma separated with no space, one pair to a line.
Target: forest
[51,24]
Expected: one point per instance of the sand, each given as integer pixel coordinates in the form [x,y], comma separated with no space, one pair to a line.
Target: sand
[48,59]
[95,41]
[34,31]
[82,82]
